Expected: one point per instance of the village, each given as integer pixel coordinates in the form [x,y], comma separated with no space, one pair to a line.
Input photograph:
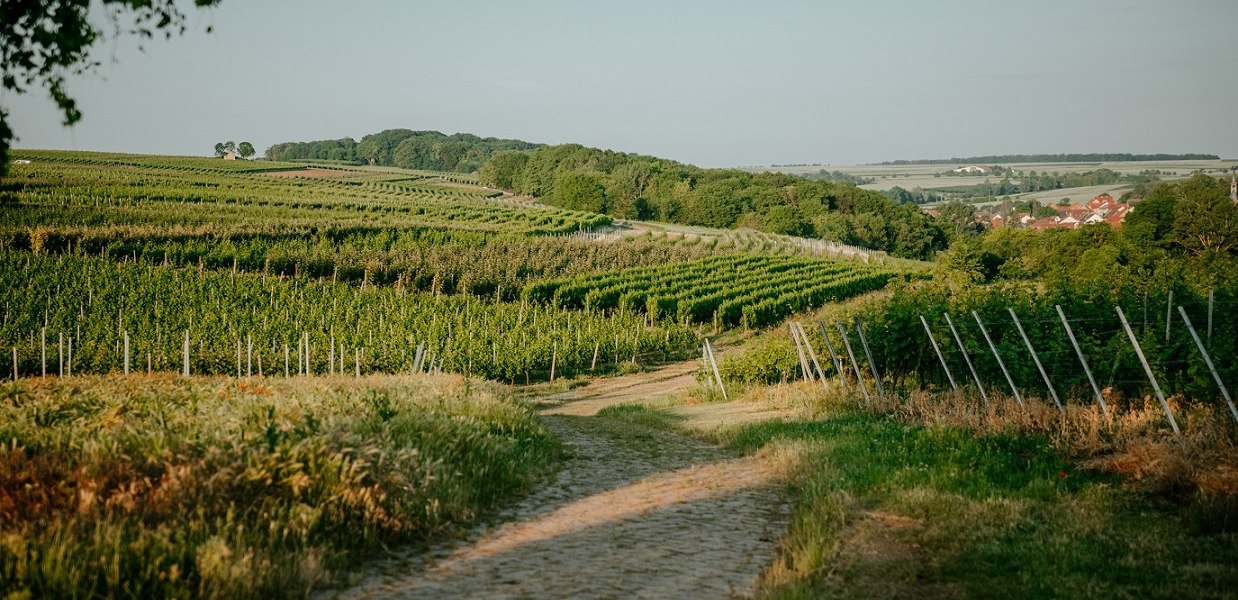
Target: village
[1102,208]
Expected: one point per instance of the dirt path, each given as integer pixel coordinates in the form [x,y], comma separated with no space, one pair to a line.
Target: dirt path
[634,512]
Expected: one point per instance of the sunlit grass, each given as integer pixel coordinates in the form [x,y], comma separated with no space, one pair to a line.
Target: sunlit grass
[213,487]
[962,514]
[939,496]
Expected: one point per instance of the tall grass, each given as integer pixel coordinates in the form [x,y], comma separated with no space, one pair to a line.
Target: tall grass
[1134,440]
[161,486]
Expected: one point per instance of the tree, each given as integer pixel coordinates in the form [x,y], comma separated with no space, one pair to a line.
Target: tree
[1151,222]
[713,205]
[1205,219]
[502,169]
[787,220]
[580,190]
[220,150]
[958,218]
[245,149]
[45,41]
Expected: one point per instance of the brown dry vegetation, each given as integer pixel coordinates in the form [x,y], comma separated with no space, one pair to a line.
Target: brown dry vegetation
[1133,441]
[162,486]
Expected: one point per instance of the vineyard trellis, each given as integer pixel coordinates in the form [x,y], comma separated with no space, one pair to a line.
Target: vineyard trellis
[1055,358]
[219,323]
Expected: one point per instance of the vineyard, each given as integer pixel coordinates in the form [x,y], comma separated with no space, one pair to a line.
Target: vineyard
[127,263]
[750,290]
[69,198]
[252,324]
[1063,346]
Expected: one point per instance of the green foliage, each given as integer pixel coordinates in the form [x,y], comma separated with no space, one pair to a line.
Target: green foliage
[1176,230]
[771,361]
[343,149]
[95,302]
[786,220]
[1205,219]
[424,150]
[645,187]
[957,510]
[502,169]
[838,177]
[958,219]
[46,40]
[727,291]
[1153,222]
[94,195]
[583,191]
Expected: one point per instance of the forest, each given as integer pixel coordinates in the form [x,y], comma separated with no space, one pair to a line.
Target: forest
[405,148]
[631,186]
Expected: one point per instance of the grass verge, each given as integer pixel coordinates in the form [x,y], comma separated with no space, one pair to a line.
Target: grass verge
[162,486]
[924,501]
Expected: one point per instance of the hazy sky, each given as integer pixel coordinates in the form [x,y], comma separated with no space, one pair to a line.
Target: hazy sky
[709,83]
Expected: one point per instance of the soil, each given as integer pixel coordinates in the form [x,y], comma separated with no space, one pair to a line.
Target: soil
[634,512]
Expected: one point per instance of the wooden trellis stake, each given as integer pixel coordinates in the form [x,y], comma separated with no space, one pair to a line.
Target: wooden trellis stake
[812,354]
[929,333]
[799,352]
[1208,361]
[1148,369]
[709,348]
[1169,312]
[1018,398]
[1070,333]
[872,365]
[838,364]
[967,359]
[1035,358]
[842,330]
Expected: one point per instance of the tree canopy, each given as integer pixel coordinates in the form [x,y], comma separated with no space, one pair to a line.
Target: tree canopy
[645,187]
[45,41]
[428,150]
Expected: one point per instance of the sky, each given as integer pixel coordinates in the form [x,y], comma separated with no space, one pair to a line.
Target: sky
[711,83]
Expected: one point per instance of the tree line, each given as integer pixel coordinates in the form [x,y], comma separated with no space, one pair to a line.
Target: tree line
[1023,183]
[426,150]
[632,186]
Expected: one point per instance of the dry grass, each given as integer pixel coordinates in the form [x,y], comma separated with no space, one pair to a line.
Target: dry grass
[161,486]
[1134,441]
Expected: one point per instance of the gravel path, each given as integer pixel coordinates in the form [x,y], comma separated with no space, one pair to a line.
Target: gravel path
[634,512]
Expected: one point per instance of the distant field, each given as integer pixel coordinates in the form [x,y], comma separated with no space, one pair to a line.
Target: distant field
[930,177]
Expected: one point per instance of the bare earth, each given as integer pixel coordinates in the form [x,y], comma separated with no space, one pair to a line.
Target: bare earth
[634,512]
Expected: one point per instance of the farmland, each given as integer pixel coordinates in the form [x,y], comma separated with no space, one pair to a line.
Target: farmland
[383,275]
[337,359]
[931,177]
[317,296]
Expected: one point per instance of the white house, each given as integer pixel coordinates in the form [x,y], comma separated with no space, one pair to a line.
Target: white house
[971,169]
